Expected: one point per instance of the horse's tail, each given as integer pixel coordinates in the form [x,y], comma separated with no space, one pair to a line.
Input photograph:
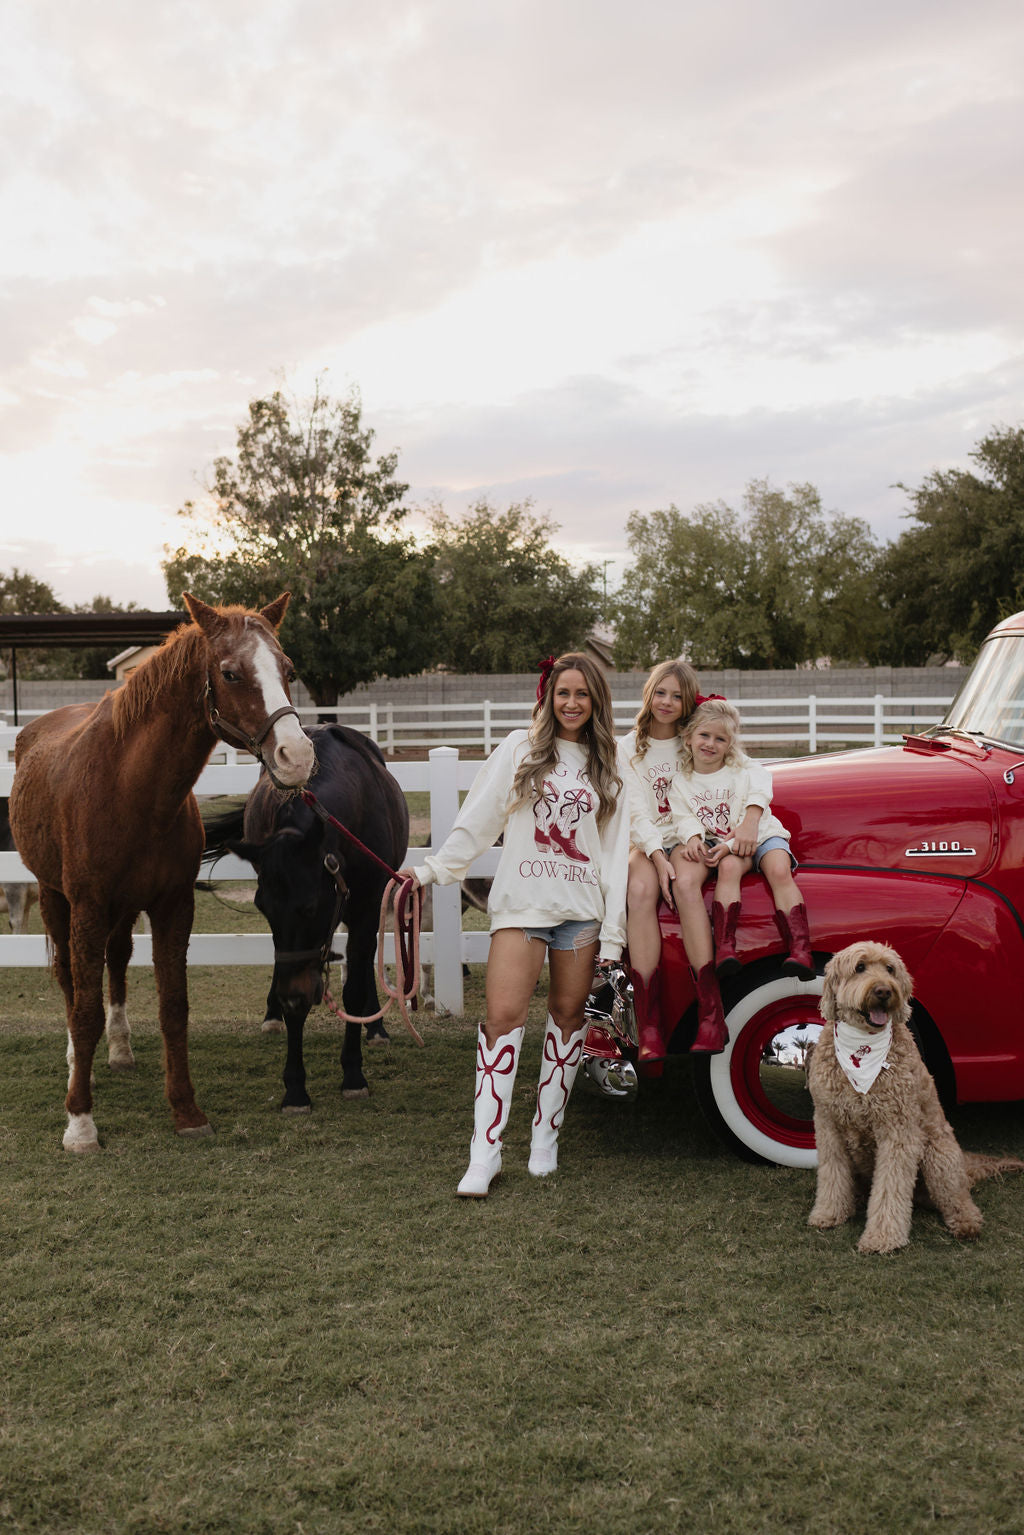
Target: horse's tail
[221,827]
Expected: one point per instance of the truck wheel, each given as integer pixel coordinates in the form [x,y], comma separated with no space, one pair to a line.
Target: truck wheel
[755,1094]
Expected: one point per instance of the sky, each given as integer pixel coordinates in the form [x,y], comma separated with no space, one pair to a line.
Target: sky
[608,258]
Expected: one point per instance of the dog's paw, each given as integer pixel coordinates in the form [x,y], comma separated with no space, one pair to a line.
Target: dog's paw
[966,1225]
[877,1242]
[825,1220]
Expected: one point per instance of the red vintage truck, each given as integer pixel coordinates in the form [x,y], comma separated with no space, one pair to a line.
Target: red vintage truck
[920,846]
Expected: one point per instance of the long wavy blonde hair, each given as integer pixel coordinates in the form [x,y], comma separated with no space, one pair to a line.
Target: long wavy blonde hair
[681,672]
[713,711]
[597,737]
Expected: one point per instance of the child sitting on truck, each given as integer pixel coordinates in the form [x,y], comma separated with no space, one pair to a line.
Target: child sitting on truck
[708,800]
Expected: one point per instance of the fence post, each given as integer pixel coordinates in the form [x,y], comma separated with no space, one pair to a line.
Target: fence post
[487,727]
[389,729]
[879,721]
[812,723]
[444,807]
[374,728]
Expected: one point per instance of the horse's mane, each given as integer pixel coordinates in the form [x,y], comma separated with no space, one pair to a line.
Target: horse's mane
[182,654]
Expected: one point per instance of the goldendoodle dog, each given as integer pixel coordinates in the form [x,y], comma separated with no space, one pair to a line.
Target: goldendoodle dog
[878,1122]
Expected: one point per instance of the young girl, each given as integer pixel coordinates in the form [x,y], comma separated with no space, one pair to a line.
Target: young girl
[649,759]
[707,800]
[553,793]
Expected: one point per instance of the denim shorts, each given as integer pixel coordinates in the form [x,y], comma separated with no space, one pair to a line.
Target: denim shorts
[769,846]
[566,935]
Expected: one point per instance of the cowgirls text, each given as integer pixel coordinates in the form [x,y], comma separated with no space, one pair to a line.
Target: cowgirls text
[557,868]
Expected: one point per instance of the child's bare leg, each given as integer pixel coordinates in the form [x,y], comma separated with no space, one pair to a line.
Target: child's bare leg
[693,917]
[730,871]
[777,869]
[643,935]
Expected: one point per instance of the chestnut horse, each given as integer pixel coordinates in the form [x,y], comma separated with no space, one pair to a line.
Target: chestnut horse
[103,814]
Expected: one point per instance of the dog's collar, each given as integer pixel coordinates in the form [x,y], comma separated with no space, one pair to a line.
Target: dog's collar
[862,1056]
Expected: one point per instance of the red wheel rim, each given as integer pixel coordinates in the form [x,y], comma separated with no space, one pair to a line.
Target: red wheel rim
[745,1070]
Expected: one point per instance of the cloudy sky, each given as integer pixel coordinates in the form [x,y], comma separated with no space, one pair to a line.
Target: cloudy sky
[605,256]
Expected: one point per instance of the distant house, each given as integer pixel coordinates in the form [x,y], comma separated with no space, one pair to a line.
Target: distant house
[124,664]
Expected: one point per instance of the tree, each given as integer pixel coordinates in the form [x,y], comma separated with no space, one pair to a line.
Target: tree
[92,662]
[946,581]
[303,507]
[506,598]
[780,584]
[21,592]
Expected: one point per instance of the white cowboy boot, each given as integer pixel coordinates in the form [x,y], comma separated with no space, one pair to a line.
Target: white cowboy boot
[559,1064]
[495,1079]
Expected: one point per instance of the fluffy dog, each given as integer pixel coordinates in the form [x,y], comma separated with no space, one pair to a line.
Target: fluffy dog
[878,1122]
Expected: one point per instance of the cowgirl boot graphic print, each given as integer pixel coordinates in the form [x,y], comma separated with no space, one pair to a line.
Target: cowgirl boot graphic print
[495,1079]
[544,814]
[576,803]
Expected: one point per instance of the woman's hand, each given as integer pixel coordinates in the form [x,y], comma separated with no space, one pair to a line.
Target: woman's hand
[410,874]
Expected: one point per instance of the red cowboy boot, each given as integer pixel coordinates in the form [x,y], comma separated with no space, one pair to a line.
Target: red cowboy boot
[712,1034]
[567,844]
[647,1011]
[724,922]
[796,937]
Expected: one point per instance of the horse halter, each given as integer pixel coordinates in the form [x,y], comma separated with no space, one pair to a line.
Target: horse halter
[323,954]
[231,735]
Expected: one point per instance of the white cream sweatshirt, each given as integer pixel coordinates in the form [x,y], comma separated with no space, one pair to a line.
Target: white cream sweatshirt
[555,865]
[649,780]
[717,803]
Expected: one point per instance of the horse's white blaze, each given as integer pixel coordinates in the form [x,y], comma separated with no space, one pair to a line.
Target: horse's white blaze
[80,1134]
[119,1035]
[292,749]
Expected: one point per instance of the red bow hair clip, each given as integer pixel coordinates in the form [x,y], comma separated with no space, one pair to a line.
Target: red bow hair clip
[547,666]
[704,698]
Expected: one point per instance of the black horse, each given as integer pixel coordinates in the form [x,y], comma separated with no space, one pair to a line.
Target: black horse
[310,877]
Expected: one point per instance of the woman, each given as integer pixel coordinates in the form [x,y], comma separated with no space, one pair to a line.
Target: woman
[649,758]
[553,794]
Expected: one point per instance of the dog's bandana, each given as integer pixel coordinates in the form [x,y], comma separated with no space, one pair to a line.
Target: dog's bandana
[862,1056]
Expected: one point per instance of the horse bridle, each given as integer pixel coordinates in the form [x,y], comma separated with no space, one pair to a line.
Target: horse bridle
[323,953]
[231,735]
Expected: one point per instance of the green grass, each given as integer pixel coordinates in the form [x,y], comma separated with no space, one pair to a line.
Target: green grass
[295,1327]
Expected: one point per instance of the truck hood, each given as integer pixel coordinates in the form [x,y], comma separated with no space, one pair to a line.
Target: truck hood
[922,806]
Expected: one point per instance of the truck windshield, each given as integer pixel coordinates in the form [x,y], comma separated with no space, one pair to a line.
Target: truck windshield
[991,701]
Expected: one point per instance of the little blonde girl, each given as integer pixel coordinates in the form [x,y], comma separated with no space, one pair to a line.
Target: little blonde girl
[649,758]
[708,801]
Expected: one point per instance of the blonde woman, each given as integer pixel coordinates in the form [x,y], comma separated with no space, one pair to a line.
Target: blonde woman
[553,793]
[650,756]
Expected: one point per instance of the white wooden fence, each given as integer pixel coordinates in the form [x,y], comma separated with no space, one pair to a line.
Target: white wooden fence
[809,722]
[446,946]
[805,721]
